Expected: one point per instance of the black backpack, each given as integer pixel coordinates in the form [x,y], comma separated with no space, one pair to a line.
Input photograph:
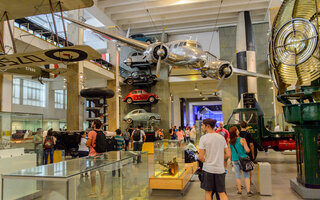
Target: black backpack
[101,142]
[136,135]
[111,144]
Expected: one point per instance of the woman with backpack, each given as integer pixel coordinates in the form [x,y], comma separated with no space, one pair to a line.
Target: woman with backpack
[239,148]
[48,146]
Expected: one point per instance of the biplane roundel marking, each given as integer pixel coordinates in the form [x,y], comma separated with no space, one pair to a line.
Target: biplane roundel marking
[67,55]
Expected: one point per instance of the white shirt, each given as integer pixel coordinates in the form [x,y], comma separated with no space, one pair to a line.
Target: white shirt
[82,145]
[277,128]
[193,133]
[214,144]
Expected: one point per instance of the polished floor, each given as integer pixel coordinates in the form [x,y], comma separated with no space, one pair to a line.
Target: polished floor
[283,169]
[132,185]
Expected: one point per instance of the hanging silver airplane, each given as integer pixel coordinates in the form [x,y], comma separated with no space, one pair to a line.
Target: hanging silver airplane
[181,53]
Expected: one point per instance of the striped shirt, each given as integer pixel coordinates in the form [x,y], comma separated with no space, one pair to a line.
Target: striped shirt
[120,142]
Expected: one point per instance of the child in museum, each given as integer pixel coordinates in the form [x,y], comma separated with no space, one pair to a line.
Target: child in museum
[120,140]
[83,149]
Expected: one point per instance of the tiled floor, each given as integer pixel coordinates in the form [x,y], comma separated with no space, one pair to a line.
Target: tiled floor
[283,169]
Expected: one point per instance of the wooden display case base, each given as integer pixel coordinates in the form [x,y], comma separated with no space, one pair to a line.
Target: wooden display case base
[171,183]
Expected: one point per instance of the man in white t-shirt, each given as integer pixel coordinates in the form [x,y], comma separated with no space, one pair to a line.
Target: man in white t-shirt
[213,151]
[193,134]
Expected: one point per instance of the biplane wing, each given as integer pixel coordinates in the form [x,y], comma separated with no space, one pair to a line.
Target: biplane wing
[19,9]
[51,56]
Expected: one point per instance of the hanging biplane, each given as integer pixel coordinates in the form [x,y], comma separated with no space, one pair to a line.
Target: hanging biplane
[30,63]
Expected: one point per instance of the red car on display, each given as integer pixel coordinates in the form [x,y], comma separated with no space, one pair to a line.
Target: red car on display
[140,96]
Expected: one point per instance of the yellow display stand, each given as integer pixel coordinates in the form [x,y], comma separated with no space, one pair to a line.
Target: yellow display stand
[172,183]
[58,156]
[148,147]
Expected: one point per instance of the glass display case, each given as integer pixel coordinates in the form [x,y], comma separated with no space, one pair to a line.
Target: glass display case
[19,130]
[117,176]
[168,158]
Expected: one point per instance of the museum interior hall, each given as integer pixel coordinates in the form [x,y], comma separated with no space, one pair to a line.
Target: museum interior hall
[159,99]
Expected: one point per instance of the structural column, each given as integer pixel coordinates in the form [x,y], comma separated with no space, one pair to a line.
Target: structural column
[5,78]
[176,121]
[113,108]
[75,77]
[277,106]
[246,54]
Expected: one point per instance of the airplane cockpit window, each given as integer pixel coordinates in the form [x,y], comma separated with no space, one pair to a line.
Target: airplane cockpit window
[180,44]
[176,45]
[185,44]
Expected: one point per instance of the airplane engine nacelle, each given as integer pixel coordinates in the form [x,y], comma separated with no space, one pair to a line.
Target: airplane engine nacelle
[218,69]
[154,52]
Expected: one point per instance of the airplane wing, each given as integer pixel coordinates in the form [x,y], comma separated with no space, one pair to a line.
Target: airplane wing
[247,73]
[138,45]
[19,9]
[51,56]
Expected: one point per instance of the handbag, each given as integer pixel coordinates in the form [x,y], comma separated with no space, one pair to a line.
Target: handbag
[245,163]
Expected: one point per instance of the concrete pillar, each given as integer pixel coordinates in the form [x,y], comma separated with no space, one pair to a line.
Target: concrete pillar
[73,98]
[6,79]
[75,79]
[176,111]
[6,85]
[246,55]
[277,105]
[114,106]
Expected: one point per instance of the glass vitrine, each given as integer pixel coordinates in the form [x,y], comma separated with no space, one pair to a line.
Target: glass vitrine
[117,175]
[168,158]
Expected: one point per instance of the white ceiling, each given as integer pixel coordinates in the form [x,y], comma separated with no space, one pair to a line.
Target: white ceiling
[150,16]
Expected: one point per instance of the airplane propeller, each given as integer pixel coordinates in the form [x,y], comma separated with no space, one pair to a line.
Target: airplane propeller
[160,53]
[219,83]
[226,71]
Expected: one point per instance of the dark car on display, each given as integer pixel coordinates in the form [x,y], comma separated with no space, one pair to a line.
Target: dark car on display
[140,115]
[140,78]
[141,96]
[143,38]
